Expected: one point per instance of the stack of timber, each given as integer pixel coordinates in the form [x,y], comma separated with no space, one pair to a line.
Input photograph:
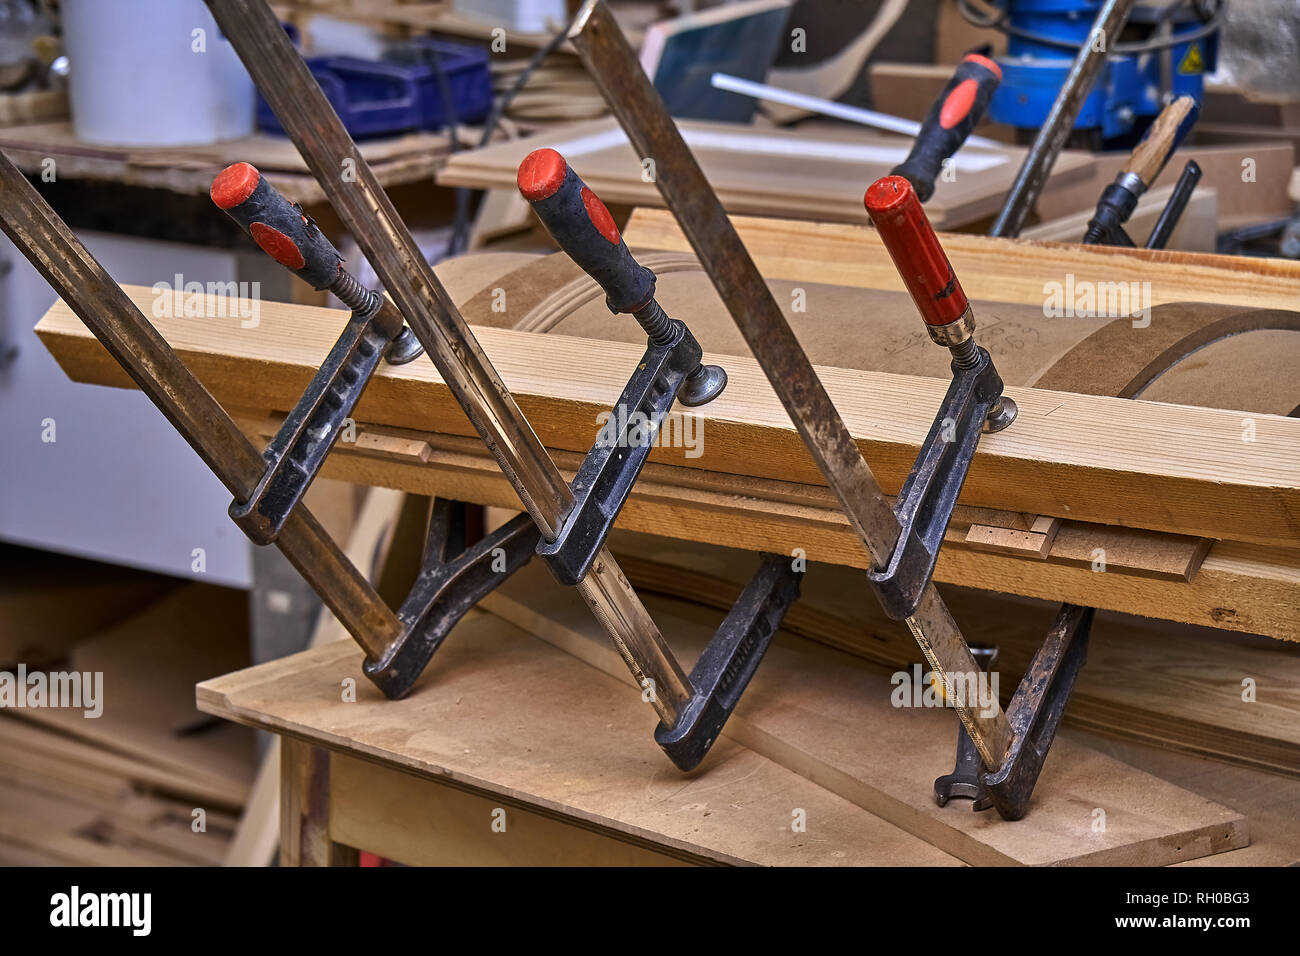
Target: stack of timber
[134,776]
[1119,475]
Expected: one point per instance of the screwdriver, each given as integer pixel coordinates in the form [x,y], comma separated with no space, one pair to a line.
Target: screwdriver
[285,233]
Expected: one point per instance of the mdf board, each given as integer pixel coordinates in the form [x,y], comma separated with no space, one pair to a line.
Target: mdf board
[836,720]
[762,171]
[501,714]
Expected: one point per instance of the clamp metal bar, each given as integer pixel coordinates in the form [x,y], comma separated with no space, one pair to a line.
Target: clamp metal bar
[132,340]
[352,189]
[631,97]
[1056,129]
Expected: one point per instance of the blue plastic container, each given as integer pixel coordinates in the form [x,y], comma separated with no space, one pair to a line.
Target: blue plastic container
[467,74]
[402,92]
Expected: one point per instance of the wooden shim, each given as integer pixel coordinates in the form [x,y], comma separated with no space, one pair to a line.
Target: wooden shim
[828,717]
[1138,464]
[475,721]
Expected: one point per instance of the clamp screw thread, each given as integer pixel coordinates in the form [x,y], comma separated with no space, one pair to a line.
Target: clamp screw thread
[352,293]
[655,323]
[965,355]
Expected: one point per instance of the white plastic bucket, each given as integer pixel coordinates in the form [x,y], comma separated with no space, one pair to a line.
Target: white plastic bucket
[153,73]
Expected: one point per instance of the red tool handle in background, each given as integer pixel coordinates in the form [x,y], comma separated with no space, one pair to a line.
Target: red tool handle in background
[950,120]
[584,229]
[898,217]
[278,226]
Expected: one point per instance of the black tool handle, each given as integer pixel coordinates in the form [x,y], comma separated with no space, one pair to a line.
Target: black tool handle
[278,226]
[949,122]
[584,229]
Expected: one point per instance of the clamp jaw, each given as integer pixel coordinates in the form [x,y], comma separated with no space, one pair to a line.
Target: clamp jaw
[670,370]
[454,576]
[298,450]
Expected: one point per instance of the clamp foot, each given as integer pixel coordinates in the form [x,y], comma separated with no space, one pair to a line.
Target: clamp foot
[703,385]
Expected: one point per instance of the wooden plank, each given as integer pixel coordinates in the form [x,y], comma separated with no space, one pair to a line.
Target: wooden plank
[833,719]
[1239,587]
[1179,686]
[190,169]
[1112,461]
[998,270]
[476,721]
[762,171]
[1250,179]
[1196,231]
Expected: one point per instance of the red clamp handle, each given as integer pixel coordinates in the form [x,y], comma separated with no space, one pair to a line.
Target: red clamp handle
[898,217]
[278,226]
[584,229]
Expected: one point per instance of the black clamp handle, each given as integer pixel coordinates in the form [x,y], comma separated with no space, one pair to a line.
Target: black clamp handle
[282,230]
[584,229]
[950,120]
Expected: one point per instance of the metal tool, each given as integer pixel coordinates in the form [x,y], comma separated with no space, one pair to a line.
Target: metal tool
[1163,230]
[298,450]
[1055,130]
[949,123]
[973,404]
[691,708]
[670,370]
[964,781]
[1015,749]
[1144,165]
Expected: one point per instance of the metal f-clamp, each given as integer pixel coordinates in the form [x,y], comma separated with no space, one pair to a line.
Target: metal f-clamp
[974,404]
[669,371]
[454,575]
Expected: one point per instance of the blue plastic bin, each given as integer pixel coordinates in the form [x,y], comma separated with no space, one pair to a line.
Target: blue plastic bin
[400,93]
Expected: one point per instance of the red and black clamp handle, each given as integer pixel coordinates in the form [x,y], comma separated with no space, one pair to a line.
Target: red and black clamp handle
[950,120]
[670,370]
[974,403]
[582,226]
[289,236]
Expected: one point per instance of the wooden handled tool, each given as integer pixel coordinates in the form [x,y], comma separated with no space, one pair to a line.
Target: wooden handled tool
[1145,163]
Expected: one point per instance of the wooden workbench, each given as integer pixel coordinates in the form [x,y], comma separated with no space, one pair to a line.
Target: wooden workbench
[523,716]
[190,169]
